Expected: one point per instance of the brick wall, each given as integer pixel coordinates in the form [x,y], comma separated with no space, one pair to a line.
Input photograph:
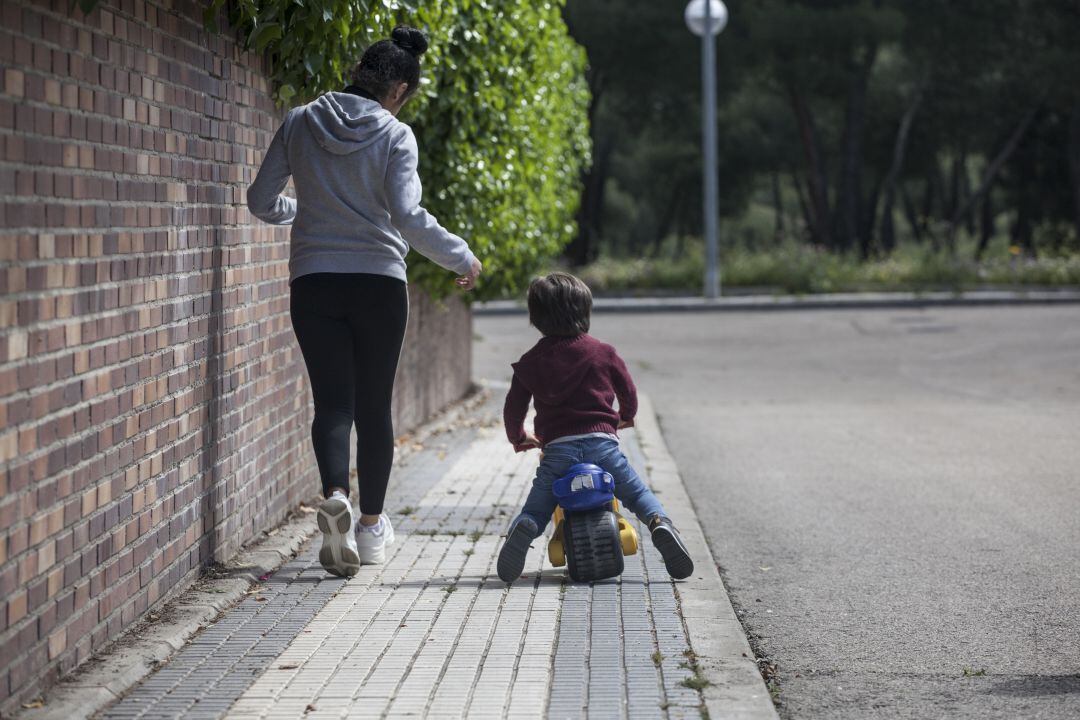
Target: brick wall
[154,410]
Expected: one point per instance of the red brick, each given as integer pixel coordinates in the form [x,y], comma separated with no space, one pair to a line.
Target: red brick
[125,170]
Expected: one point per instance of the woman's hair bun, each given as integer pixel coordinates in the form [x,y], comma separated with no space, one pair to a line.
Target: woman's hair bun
[410,40]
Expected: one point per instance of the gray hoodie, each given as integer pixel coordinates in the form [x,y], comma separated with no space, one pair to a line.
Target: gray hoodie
[357,206]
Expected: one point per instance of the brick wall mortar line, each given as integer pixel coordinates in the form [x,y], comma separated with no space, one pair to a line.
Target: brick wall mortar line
[115,503]
[135,412]
[134,310]
[73,20]
[107,341]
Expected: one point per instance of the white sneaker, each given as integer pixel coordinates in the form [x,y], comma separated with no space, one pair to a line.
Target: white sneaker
[338,554]
[371,541]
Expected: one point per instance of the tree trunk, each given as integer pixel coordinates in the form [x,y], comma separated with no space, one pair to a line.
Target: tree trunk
[664,226]
[816,178]
[954,183]
[888,230]
[804,206]
[929,194]
[1027,199]
[1074,164]
[778,209]
[911,214]
[584,247]
[994,168]
[849,201]
[866,221]
[986,223]
[965,192]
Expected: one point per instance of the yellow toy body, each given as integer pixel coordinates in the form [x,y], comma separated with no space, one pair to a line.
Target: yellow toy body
[557,551]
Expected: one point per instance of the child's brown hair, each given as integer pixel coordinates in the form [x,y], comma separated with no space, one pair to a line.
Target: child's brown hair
[560,304]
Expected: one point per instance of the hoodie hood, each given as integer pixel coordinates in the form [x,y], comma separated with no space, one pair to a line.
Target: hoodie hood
[556,366]
[343,123]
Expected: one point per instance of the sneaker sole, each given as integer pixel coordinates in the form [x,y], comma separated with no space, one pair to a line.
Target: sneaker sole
[513,553]
[335,522]
[676,556]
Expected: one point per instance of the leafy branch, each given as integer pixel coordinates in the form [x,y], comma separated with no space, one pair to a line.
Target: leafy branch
[501,114]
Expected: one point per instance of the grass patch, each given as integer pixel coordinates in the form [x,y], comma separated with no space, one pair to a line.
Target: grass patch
[449,589]
[800,269]
[475,535]
[657,658]
[406,511]
[697,681]
[972,672]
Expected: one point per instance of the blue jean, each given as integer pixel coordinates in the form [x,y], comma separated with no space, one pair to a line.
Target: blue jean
[629,488]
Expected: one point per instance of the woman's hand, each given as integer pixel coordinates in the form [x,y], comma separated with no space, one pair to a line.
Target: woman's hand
[468,281]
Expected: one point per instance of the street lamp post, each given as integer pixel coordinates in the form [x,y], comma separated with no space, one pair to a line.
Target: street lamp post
[707,18]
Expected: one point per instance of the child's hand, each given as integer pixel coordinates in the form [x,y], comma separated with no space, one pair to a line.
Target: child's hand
[623,424]
[528,443]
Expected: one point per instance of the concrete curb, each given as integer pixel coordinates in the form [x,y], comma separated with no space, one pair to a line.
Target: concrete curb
[736,688]
[141,650]
[837,301]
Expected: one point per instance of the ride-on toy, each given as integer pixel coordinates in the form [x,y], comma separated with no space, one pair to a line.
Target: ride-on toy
[590,535]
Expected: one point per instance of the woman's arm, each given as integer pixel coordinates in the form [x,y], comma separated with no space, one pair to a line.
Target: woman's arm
[416,225]
[264,196]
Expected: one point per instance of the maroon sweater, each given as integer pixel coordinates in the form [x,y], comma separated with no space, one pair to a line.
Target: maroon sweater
[573,382]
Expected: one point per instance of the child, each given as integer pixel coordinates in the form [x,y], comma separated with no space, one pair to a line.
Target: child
[573,379]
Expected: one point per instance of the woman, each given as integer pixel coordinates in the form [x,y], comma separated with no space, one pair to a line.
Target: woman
[356,213]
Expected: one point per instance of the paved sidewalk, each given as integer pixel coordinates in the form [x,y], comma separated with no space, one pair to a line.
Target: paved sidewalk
[435,633]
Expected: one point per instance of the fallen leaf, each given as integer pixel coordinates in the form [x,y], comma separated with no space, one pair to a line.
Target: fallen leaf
[288,666]
[265,576]
[34,704]
[764,568]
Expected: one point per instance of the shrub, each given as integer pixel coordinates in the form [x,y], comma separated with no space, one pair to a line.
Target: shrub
[501,116]
[796,268]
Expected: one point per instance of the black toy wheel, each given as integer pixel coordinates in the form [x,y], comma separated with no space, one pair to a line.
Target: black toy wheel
[592,544]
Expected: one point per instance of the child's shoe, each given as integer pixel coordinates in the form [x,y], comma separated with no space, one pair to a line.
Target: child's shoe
[338,554]
[371,540]
[667,541]
[512,556]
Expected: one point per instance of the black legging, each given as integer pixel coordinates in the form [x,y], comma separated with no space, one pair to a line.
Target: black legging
[350,327]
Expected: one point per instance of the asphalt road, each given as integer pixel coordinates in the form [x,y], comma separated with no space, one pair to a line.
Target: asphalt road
[893,496]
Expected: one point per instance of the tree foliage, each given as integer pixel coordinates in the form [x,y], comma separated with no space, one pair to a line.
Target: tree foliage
[500,118]
[864,123]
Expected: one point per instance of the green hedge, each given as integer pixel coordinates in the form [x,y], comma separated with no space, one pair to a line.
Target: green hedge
[796,268]
[501,117]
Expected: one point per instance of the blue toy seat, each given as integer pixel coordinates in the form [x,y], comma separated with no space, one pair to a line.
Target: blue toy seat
[584,487]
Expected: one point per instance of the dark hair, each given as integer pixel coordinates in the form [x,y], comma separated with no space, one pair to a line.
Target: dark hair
[560,304]
[393,61]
